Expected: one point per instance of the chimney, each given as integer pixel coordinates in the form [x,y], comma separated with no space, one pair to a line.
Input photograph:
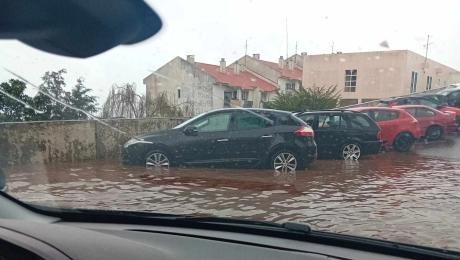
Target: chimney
[236,68]
[303,53]
[291,64]
[191,58]
[222,65]
[281,62]
[256,56]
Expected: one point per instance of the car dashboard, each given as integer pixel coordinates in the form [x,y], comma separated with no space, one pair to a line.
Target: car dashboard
[72,240]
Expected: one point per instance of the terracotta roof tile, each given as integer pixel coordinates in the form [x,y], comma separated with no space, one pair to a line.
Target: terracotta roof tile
[295,73]
[243,80]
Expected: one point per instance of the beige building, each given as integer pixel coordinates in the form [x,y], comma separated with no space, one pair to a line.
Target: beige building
[286,73]
[198,87]
[366,76]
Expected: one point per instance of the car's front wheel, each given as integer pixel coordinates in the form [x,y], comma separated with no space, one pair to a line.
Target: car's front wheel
[157,159]
[285,161]
[350,151]
[403,142]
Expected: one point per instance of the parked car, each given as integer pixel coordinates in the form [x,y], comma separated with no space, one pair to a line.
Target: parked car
[451,95]
[238,136]
[436,101]
[400,129]
[3,186]
[343,133]
[434,123]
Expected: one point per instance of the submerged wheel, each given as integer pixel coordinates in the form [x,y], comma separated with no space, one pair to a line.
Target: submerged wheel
[351,151]
[157,159]
[403,142]
[285,161]
[434,133]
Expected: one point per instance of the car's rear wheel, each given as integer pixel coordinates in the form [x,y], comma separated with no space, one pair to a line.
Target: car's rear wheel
[403,142]
[350,151]
[434,133]
[157,159]
[285,161]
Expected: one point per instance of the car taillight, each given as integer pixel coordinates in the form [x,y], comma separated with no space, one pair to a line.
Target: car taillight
[305,132]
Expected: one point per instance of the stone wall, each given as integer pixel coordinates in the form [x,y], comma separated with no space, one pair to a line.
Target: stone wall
[68,141]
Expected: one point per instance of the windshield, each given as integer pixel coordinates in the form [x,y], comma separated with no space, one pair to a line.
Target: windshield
[68,126]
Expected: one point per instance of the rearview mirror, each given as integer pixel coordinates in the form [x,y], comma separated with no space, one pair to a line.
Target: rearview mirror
[2,181]
[191,130]
[80,28]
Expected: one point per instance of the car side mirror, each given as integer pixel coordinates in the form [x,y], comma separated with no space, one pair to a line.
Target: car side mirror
[2,181]
[191,130]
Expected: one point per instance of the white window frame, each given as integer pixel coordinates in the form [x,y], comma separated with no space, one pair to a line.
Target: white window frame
[290,86]
[244,94]
[351,80]
[413,82]
[429,81]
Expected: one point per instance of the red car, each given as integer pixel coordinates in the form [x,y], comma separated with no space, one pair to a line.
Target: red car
[434,123]
[399,128]
[434,101]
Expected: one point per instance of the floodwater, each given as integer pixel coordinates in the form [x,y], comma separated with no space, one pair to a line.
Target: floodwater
[411,197]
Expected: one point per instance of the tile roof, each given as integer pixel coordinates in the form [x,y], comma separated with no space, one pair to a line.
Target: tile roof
[285,72]
[243,80]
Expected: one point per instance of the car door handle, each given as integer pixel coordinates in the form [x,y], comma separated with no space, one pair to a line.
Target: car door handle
[266,136]
[222,140]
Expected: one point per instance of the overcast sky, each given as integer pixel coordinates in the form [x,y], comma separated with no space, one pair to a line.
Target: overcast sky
[212,29]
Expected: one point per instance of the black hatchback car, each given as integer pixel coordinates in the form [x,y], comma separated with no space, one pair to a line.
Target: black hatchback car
[344,134]
[262,137]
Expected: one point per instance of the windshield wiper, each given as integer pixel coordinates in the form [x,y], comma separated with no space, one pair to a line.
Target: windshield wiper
[288,226]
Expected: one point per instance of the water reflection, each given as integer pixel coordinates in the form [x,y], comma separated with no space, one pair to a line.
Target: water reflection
[404,197]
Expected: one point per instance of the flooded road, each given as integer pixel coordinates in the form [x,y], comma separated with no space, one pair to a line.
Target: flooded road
[410,197]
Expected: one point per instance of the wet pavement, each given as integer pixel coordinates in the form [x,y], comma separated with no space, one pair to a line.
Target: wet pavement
[411,197]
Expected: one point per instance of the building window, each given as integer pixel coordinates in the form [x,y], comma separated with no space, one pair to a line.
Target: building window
[264,96]
[245,94]
[290,85]
[235,94]
[178,93]
[413,82]
[351,77]
[429,79]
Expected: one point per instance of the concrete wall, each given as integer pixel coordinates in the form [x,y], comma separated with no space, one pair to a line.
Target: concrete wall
[380,74]
[68,141]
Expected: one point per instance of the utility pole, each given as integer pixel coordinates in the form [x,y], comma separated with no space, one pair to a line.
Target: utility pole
[428,43]
[245,52]
[332,48]
[295,56]
[287,39]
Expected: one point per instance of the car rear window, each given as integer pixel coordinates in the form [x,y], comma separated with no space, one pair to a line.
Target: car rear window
[379,115]
[359,121]
[279,118]
[246,121]
[423,112]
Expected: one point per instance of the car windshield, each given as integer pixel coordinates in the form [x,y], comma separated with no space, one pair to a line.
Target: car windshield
[200,119]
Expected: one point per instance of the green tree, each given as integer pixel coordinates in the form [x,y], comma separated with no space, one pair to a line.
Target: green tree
[53,85]
[79,98]
[314,98]
[15,105]
[58,104]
